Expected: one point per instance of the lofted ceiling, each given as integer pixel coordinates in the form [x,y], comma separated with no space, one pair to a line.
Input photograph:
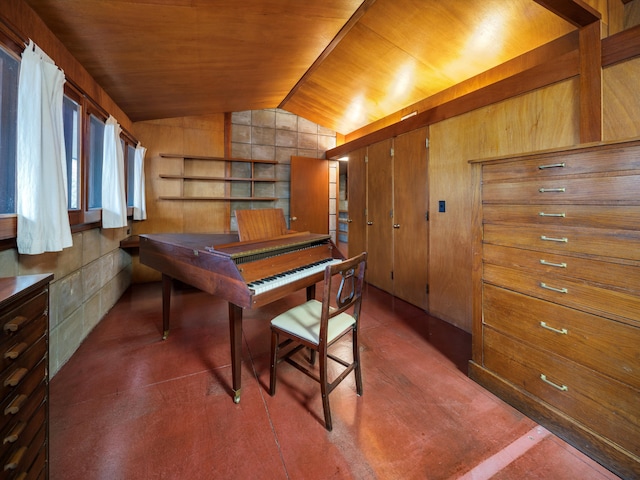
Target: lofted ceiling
[340,63]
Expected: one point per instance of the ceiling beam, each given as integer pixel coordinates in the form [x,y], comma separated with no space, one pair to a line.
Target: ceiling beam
[576,12]
[362,9]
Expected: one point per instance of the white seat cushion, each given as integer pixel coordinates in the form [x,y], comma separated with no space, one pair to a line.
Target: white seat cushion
[304,321]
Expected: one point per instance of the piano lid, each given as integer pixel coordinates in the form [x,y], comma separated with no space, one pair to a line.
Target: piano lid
[242,252]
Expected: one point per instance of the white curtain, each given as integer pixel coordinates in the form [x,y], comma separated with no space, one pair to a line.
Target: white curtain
[139,201]
[114,203]
[41,200]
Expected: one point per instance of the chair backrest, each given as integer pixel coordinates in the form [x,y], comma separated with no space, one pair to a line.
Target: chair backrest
[260,224]
[342,292]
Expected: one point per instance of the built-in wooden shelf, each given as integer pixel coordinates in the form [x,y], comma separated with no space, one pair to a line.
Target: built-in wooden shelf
[251,179]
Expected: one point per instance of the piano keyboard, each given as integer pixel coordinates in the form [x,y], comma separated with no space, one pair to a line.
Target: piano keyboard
[275,281]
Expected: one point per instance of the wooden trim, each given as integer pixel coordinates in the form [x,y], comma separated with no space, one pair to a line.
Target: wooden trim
[576,12]
[590,83]
[621,46]
[8,226]
[362,9]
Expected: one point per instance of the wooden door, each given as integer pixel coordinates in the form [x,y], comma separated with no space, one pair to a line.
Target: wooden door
[309,202]
[411,227]
[379,215]
[357,198]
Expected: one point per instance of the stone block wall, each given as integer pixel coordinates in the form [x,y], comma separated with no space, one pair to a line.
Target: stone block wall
[89,278]
[276,134]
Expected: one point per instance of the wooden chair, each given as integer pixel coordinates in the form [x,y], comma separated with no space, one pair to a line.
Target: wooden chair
[318,325]
[260,224]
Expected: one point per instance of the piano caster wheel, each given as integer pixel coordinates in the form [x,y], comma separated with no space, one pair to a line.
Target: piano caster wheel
[165,334]
[236,397]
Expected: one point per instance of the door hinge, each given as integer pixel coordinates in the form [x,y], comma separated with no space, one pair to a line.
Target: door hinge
[391,152]
[391,274]
[427,288]
[426,142]
[426,216]
[366,159]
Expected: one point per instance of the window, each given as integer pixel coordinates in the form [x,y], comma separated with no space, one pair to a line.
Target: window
[96,144]
[83,124]
[9,69]
[71,119]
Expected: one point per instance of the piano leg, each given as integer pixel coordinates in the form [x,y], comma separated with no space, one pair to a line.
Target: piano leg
[235,330]
[167,282]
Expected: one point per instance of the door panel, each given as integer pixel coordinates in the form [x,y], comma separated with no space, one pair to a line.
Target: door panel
[411,228]
[379,215]
[357,198]
[309,202]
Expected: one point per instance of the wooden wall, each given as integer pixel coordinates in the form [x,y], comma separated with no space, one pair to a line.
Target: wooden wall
[202,135]
[535,121]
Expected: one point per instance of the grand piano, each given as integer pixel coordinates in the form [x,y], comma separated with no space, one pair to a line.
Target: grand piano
[246,274]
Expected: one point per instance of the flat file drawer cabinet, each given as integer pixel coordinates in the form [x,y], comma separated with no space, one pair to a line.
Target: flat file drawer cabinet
[556,293]
[24,410]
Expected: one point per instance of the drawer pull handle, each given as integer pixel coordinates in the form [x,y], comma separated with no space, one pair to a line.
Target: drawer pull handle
[554,289]
[550,264]
[15,377]
[15,405]
[14,324]
[15,351]
[552,190]
[15,459]
[562,388]
[542,214]
[552,165]
[552,239]
[15,432]
[564,331]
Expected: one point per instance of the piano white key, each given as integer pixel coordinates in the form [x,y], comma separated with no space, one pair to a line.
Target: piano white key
[266,284]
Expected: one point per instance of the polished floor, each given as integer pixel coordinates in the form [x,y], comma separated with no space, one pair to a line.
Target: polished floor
[131,406]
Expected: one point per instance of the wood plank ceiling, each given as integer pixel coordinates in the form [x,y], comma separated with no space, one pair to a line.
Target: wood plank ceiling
[340,63]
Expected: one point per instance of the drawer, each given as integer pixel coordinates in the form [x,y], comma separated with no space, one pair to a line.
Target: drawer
[608,159]
[623,244]
[16,320]
[603,345]
[616,276]
[26,398]
[594,216]
[624,307]
[14,431]
[598,402]
[22,459]
[12,351]
[617,189]
[12,378]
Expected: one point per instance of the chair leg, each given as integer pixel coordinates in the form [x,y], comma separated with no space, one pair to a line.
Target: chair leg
[274,363]
[356,358]
[324,388]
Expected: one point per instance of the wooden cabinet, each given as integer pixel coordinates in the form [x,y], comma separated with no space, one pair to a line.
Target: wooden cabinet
[357,201]
[556,329]
[397,230]
[213,178]
[24,305]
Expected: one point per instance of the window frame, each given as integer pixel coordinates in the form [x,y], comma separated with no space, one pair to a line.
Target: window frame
[83,218]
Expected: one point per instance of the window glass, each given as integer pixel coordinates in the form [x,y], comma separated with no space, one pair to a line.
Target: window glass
[9,69]
[96,142]
[131,162]
[71,120]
